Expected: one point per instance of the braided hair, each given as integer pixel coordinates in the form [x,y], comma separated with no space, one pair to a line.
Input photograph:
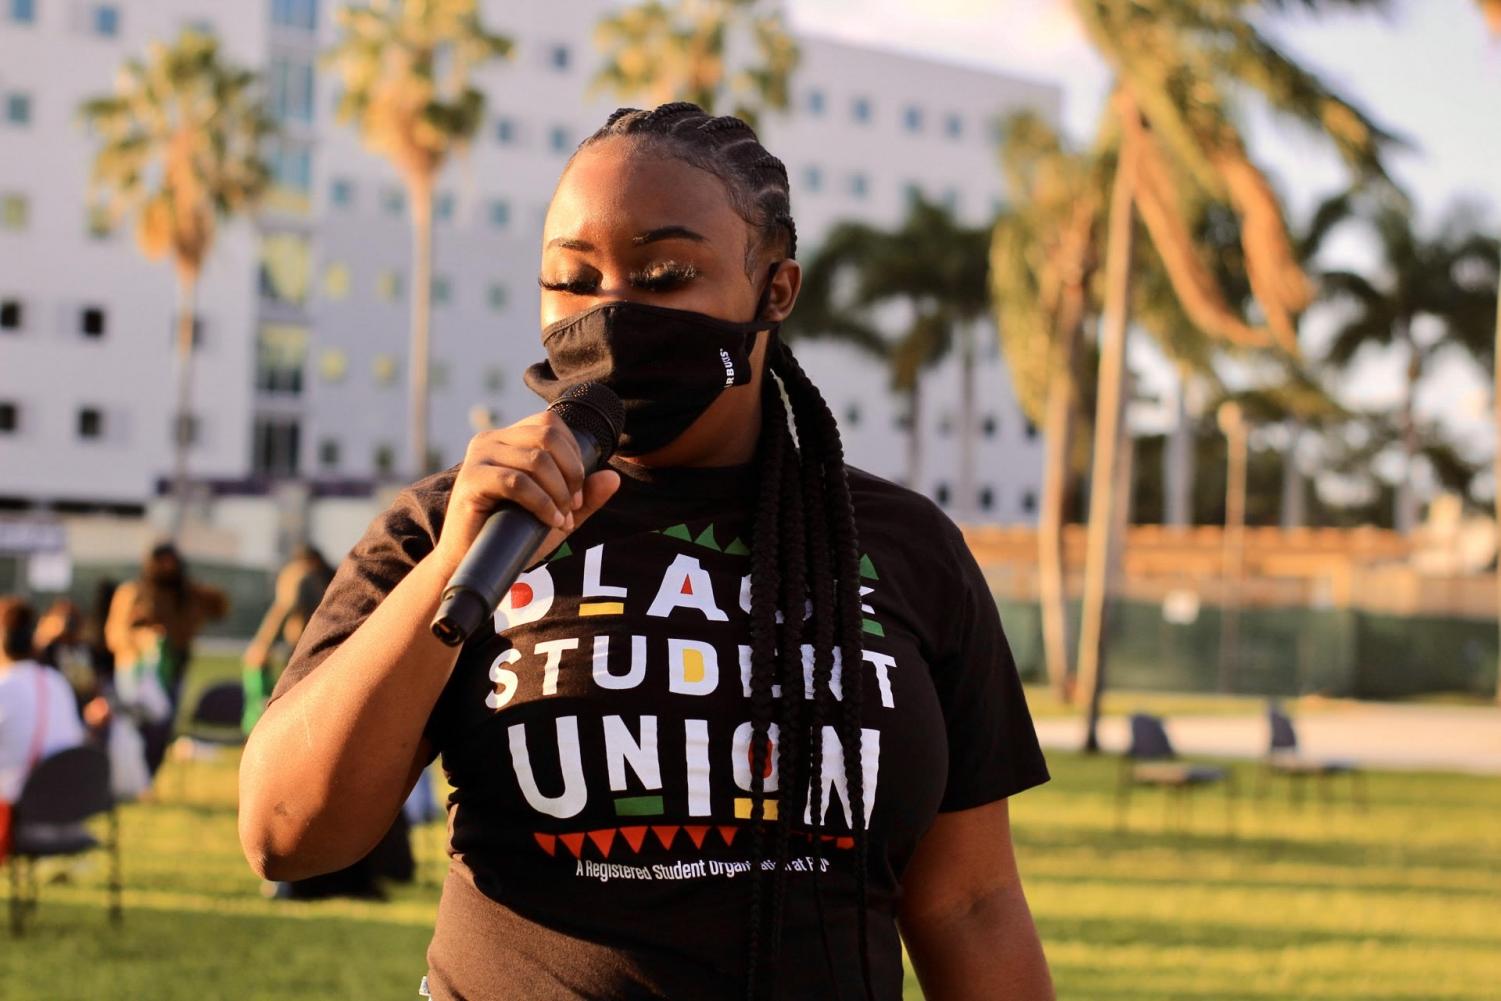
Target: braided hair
[803,526]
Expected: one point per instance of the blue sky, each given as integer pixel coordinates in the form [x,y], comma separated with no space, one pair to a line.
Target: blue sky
[1427,70]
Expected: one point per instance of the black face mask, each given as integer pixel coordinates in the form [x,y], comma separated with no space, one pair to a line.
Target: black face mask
[667,365]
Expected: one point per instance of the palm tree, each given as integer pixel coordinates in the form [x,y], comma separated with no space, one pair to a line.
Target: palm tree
[407,69]
[180,145]
[1427,296]
[1043,255]
[1176,68]
[677,52]
[938,269]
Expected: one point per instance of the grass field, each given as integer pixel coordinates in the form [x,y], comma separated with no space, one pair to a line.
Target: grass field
[1400,902]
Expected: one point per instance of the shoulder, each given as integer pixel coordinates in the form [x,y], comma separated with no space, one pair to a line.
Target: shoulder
[886,509]
[413,520]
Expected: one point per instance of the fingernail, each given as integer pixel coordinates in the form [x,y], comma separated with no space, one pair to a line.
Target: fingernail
[557,519]
[578,499]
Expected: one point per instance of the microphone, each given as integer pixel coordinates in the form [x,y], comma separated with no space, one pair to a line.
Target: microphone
[596,417]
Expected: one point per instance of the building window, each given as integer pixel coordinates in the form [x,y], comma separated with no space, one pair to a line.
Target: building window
[281,353]
[10,417]
[384,458]
[987,498]
[495,378]
[559,58]
[953,126]
[941,494]
[860,110]
[333,365]
[291,176]
[98,223]
[91,321]
[301,14]
[557,138]
[437,375]
[393,200]
[815,102]
[1031,431]
[496,296]
[859,185]
[90,423]
[852,415]
[15,212]
[385,369]
[500,213]
[388,286]
[1029,501]
[912,118]
[989,426]
[328,453]
[341,192]
[286,268]
[336,281]
[18,109]
[106,20]
[442,290]
[505,131]
[23,11]
[443,207]
[173,333]
[291,86]
[276,442]
[12,314]
[812,178]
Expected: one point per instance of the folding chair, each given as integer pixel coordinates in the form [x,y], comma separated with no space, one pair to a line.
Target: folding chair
[1284,758]
[216,719]
[1151,761]
[63,790]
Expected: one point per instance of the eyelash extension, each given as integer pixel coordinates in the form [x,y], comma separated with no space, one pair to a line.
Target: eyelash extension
[660,276]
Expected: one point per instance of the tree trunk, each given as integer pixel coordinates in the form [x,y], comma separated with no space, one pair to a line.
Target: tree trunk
[1405,517]
[1233,557]
[1110,412]
[1058,432]
[187,307]
[1496,468]
[421,194]
[1179,460]
[966,507]
[1294,484]
[914,435]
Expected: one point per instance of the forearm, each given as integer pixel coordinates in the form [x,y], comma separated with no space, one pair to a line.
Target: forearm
[328,765]
[986,951]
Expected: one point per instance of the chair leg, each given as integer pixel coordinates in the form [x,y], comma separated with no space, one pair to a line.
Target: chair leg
[116,908]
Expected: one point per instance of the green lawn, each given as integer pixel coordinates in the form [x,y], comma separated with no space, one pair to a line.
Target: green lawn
[1400,902]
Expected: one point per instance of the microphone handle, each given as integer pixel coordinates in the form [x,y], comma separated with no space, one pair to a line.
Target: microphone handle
[495,559]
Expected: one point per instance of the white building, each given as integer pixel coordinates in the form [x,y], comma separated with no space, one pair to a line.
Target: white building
[300,372]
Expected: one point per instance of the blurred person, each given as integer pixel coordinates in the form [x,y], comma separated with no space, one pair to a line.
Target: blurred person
[38,714]
[152,624]
[60,643]
[93,631]
[299,588]
[658,789]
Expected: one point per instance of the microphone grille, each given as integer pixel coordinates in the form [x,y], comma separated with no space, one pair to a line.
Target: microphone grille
[594,408]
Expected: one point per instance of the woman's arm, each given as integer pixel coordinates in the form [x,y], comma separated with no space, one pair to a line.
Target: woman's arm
[964,917]
[118,627]
[327,767]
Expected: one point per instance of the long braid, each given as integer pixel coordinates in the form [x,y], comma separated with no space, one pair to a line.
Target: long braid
[802,503]
[825,430]
[765,580]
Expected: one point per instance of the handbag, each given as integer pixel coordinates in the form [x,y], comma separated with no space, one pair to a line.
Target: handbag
[33,754]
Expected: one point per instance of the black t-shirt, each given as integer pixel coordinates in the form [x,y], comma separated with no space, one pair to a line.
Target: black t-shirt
[597,742]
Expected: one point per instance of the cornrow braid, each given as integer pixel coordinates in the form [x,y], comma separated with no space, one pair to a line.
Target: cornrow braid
[803,503]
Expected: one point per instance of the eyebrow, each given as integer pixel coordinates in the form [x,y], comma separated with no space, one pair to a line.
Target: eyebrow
[639,240]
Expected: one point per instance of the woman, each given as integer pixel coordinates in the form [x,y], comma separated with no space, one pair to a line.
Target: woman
[38,716]
[620,744]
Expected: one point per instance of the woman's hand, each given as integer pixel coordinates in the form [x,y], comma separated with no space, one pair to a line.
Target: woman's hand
[534,463]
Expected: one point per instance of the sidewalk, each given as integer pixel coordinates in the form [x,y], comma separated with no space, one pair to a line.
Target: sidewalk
[1377,735]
